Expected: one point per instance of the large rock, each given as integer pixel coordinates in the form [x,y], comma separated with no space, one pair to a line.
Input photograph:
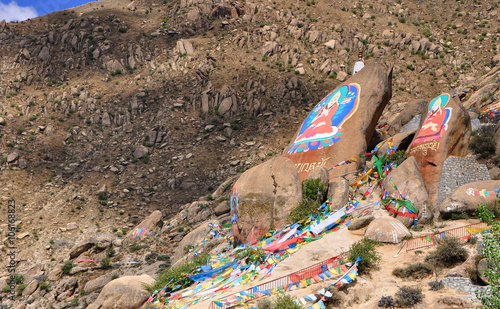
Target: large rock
[81,247]
[444,132]
[194,238]
[342,124]
[477,101]
[410,185]
[410,109]
[123,293]
[387,229]
[468,196]
[266,193]
[98,283]
[149,225]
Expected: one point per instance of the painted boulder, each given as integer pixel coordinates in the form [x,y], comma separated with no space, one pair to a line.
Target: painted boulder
[467,197]
[263,197]
[445,131]
[340,127]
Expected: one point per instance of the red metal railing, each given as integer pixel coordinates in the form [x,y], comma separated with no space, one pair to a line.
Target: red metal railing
[284,281]
[433,239]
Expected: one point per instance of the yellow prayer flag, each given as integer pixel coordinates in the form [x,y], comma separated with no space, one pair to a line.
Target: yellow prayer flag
[304,282]
[476,229]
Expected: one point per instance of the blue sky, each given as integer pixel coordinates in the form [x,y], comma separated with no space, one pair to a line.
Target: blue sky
[23,9]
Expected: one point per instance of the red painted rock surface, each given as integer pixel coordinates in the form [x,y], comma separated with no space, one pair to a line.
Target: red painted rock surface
[341,125]
[444,132]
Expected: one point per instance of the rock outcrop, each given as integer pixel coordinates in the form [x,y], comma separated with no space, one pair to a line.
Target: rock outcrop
[468,196]
[387,229]
[341,125]
[266,195]
[410,185]
[444,132]
[123,293]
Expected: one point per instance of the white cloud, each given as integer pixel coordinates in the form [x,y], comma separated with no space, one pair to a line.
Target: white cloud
[14,12]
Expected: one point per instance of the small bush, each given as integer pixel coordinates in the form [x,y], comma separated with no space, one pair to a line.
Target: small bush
[44,286]
[365,248]
[398,157]
[264,304]
[408,296]
[175,277]
[105,263]
[305,208]
[447,254]
[285,301]
[313,194]
[20,288]
[483,143]
[67,267]
[414,271]
[436,285]
[387,302]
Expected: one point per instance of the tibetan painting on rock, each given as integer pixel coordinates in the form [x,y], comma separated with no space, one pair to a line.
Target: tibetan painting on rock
[323,127]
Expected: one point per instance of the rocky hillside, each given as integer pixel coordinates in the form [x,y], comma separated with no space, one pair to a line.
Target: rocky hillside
[115,109]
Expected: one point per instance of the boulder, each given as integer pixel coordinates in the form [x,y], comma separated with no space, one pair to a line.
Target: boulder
[410,109]
[12,157]
[444,132]
[193,238]
[123,293]
[477,99]
[468,196]
[222,208]
[387,229]
[410,185]
[150,224]
[339,192]
[97,283]
[141,151]
[482,265]
[360,222]
[342,124]
[267,193]
[82,247]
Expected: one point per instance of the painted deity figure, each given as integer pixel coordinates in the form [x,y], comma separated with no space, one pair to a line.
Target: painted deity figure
[436,121]
[323,126]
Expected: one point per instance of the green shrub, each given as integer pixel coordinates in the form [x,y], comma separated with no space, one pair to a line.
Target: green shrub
[20,288]
[313,194]
[68,265]
[483,143]
[264,304]
[398,157]
[436,285]
[414,271]
[408,296]
[176,276]
[44,286]
[105,263]
[314,189]
[447,254]
[303,210]
[285,301]
[365,248]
